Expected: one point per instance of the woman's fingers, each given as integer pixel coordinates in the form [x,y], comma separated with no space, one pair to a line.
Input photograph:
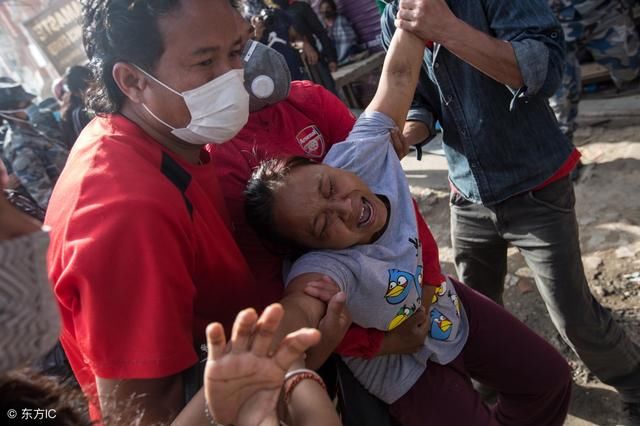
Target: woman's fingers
[294,345]
[266,328]
[242,329]
[216,341]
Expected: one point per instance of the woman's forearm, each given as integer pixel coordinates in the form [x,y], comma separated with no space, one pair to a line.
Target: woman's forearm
[399,77]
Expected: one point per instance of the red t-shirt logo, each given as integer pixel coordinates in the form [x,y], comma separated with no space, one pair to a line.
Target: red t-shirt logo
[311,141]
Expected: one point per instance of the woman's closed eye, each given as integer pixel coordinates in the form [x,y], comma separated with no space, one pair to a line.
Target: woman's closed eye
[321,224]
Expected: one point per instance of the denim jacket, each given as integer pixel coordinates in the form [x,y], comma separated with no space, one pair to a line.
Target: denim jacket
[499,142]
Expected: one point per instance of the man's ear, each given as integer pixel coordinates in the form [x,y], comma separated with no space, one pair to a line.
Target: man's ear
[130,80]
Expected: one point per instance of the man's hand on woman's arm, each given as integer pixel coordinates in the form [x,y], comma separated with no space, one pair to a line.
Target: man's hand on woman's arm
[433,20]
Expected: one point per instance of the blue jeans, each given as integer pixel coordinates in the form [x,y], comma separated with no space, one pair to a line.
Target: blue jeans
[542,225]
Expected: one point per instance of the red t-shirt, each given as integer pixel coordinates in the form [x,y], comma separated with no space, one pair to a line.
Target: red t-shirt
[307,123]
[141,257]
[564,170]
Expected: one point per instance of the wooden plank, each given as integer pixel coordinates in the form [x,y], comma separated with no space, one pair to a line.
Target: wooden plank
[350,73]
[593,72]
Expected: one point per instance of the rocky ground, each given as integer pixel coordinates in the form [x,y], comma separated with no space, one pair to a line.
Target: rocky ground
[608,208]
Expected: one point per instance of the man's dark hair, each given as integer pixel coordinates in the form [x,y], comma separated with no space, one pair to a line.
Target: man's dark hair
[260,196]
[120,31]
[330,3]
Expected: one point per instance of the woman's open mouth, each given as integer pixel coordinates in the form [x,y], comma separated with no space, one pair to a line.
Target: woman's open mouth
[367,214]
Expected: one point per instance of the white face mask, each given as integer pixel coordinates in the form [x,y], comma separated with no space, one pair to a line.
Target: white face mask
[29,318]
[219,109]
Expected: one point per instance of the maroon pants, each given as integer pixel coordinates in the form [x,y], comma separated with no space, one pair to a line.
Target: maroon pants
[532,379]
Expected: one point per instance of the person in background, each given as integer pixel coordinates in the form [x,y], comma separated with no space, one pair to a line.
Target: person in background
[34,156]
[310,31]
[487,76]
[272,27]
[74,114]
[339,30]
[605,29]
[58,90]
[4,127]
[250,8]
[29,320]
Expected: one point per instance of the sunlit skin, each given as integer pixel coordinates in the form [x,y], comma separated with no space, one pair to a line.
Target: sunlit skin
[322,207]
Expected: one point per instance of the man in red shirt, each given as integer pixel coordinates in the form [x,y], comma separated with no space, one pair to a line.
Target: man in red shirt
[142,256]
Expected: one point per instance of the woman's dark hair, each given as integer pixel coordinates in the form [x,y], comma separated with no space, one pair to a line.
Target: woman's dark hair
[259,199]
[120,31]
[33,394]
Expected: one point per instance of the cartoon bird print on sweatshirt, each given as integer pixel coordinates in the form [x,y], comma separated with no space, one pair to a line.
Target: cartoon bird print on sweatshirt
[399,287]
[400,283]
[404,313]
[440,291]
[441,326]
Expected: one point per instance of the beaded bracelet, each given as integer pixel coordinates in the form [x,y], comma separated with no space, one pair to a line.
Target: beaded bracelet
[208,415]
[293,378]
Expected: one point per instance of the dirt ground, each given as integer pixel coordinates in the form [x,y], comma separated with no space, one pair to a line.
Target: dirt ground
[608,209]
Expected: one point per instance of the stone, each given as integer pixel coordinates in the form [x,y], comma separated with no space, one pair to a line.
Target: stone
[510,280]
[525,285]
[601,291]
[592,262]
[524,272]
[624,252]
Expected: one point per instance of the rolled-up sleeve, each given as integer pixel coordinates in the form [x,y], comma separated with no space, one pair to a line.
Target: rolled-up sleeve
[537,40]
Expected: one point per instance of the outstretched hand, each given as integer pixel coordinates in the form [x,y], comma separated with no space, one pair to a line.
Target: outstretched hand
[242,379]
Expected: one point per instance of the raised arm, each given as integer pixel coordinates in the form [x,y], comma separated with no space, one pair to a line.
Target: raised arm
[399,77]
